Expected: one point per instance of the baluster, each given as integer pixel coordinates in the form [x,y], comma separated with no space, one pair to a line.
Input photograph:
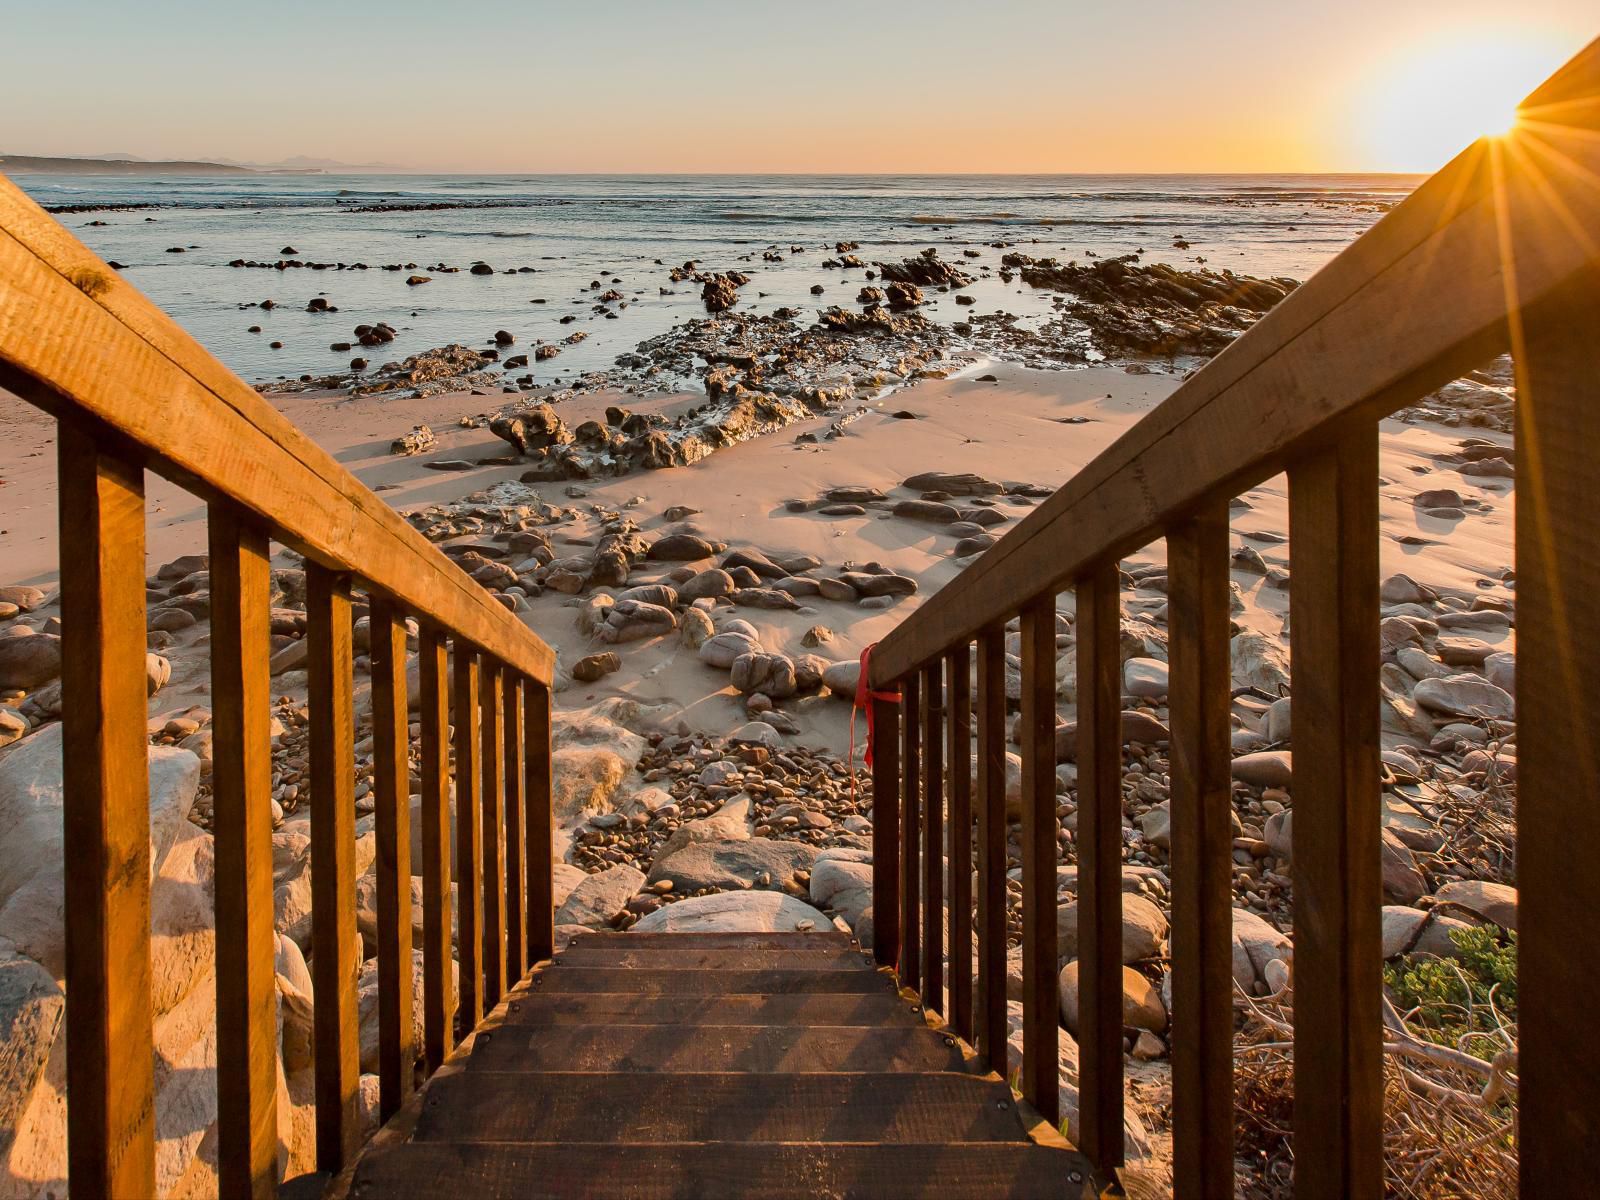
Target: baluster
[1338,1070]
[1100,866]
[910,829]
[885,830]
[1040,1002]
[241,796]
[991,998]
[1202,857]
[932,840]
[515,901]
[333,850]
[958,710]
[106,835]
[494,829]
[392,829]
[469,838]
[438,982]
[1558,758]
[536,752]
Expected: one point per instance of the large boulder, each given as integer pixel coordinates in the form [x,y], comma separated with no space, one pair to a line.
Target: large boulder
[583,779]
[29,661]
[32,1008]
[1255,944]
[1465,696]
[731,865]
[735,912]
[1141,1002]
[730,823]
[596,901]
[1494,902]
[1144,929]
[1259,661]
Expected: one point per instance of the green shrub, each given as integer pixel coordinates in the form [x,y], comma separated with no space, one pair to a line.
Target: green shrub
[1451,997]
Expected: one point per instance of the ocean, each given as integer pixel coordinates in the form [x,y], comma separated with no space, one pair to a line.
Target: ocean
[557,242]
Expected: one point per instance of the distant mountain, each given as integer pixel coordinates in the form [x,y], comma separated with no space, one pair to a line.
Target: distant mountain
[303,163]
[28,164]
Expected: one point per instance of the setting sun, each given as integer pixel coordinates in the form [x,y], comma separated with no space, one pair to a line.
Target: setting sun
[1421,105]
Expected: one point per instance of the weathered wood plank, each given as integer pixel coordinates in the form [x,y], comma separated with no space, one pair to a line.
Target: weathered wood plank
[333,852]
[933,856]
[492,827]
[111,1121]
[536,751]
[958,709]
[632,1109]
[75,334]
[392,829]
[469,840]
[1202,856]
[1558,739]
[910,833]
[604,1171]
[1270,395]
[1333,548]
[438,983]
[241,796]
[1099,647]
[643,982]
[515,777]
[1040,1004]
[752,1049]
[886,831]
[991,990]
[611,1008]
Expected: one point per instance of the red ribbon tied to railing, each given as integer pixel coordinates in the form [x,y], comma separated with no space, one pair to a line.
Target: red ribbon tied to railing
[865,695]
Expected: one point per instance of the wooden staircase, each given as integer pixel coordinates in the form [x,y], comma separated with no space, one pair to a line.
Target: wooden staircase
[704,1065]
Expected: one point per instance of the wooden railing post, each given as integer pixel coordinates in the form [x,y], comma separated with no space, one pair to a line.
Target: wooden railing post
[513,774]
[1099,646]
[438,984]
[241,796]
[886,830]
[536,752]
[1558,746]
[1040,1001]
[1338,1071]
[1202,857]
[392,827]
[493,828]
[991,800]
[932,839]
[958,710]
[106,816]
[910,831]
[469,840]
[333,850]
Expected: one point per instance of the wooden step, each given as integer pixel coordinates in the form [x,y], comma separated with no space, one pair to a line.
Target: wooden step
[732,958]
[602,1171]
[816,940]
[699,1048]
[610,1008]
[487,1106]
[664,981]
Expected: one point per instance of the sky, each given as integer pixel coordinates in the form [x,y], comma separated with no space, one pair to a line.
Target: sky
[683,86]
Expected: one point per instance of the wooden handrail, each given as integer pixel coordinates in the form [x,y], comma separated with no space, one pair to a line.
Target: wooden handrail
[132,392]
[79,341]
[1499,251]
[1514,218]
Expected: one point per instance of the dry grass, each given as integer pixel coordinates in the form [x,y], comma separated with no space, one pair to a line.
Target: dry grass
[1449,1123]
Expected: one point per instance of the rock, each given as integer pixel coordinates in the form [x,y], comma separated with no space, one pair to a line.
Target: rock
[633,620]
[1144,929]
[1137,726]
[600,897]
[1494,902]
[1465,696]
[157,671]
[1145,678]
[1141,1003]
[723,649]
[681,547]
[1255,944]
[367,1008]
[926,510]
[731,865]
[583,779]
[955,483]
[25,598]
[32,1008]
[695,628]
[843,885]
[843,678]
[594,667]
[730,823]
[1265,768]
[1258,661]
[1501,670]
[759,733]
[735,912]
[1402,926]
[1403,882]
[1402,589]
[761,597]
[708,584]
[30,661]
[770,674]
